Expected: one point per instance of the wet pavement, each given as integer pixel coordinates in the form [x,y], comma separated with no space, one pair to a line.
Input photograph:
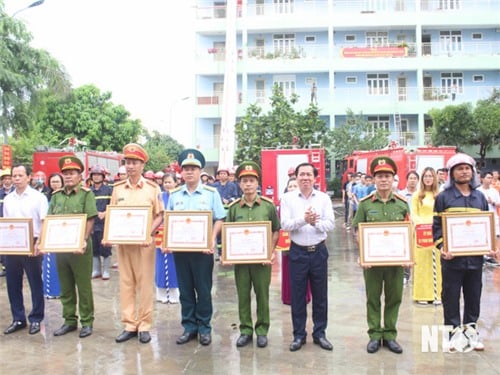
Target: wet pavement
[99,354]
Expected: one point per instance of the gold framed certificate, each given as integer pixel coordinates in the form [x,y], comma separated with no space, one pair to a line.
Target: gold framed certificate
[127,225]
[385,244]
[63,233]
[187,230]
[16,236]
[468,233]
[247,242]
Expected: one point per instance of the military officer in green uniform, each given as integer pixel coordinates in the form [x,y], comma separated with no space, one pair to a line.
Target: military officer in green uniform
[382,206]
[75,269]
[249,208]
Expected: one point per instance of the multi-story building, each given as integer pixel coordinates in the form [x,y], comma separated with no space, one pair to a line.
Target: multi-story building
[391,60]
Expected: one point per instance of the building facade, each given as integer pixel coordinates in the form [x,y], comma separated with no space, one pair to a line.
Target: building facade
[391,60]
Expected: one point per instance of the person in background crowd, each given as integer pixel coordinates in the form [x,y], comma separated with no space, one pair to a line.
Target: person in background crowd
[427,268]
[7,187]
[345,198]
[383,206]
[51,286]
[441,175]
[495,182]
[370,186]
[461,274]
[25,202]
[493,197]
[308,215]
[38,183]
[159,179]
[195,269]
[122,173]
[204,178]
[137,262]
[102,194]
[167,287]
[412,179]
[75,269]
[252,207]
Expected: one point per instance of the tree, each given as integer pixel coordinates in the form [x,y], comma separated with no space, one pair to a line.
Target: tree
[162,150]
[355,134]
[90,116]
[282,126]
[486,131]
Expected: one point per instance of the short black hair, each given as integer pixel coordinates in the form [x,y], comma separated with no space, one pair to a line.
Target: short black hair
[27,168]
[315,171]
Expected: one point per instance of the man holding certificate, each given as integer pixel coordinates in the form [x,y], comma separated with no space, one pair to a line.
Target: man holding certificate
[383,205]
[25,202]
[460,273]
[308,215]
[250,208]
[194,268]
[137,262]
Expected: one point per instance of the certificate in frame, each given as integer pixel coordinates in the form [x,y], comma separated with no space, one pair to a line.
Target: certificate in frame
[128,225]
[63,233]
[187,230]
[247,242]
[16,236]
[468,233]
[385,244]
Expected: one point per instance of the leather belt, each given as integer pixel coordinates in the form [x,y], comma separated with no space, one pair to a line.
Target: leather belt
[309,248]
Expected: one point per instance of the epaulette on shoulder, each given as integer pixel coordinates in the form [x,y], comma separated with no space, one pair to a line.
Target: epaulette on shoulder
[234,202]
[175,190]
[56,191]
[151,183]
[210,188]
[266,199]
[84,188]
[118,183]
[401,197]
[369,196]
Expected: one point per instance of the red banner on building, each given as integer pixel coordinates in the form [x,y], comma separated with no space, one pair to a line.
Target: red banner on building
[6,156]
[423,235]
[374,52]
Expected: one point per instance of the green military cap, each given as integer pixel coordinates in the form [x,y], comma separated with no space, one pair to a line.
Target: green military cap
[383,164]
[70,162]
[192,157]
[248,168]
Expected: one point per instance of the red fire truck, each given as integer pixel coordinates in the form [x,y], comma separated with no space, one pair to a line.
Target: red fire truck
[276,163]
[414,159]
[47,161]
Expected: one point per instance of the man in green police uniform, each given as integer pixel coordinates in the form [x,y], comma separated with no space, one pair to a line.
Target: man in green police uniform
[75,269]
[251,207]
[382,206]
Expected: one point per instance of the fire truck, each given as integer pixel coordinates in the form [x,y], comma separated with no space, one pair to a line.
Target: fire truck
[276,163]
[47,161]
[407,159]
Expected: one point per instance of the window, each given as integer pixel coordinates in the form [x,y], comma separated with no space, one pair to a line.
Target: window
[477,36]
[310,39]
[352,80]
[449,4]
[350,38]
[377,38]
[378,84]
[286,83]
[478,78]
[379,122]
[309,81]
[452,83]
[260,90]
[283,43]
[283,6]
[450,41]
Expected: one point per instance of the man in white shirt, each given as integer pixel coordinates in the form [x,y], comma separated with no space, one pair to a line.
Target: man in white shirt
[25,202]
[308,215]
[493,198]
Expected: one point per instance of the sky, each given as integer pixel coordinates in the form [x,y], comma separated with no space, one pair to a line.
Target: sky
[139,50]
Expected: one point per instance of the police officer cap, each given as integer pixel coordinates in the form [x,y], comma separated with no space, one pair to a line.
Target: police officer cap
[248,168]
[192,157]
[135,151]
[383,164]
[70,162]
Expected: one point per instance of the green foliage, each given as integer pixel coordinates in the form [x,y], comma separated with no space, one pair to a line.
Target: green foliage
[356,133]
[162,150]
[281,127]
[335,185]
[90,116]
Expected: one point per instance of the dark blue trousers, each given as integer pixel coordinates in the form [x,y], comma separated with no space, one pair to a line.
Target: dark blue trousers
[312,266]
[15,267]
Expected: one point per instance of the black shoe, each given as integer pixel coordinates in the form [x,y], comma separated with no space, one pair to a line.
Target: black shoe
[243,340]
[85,331]
[144,337]
[34,328]
[261,341]
[393,346]
[2,273]
[297,344]
[64,329]
[186,337]
[373,346]
[125,336]
[323,342]
[15,326]
[205,339]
